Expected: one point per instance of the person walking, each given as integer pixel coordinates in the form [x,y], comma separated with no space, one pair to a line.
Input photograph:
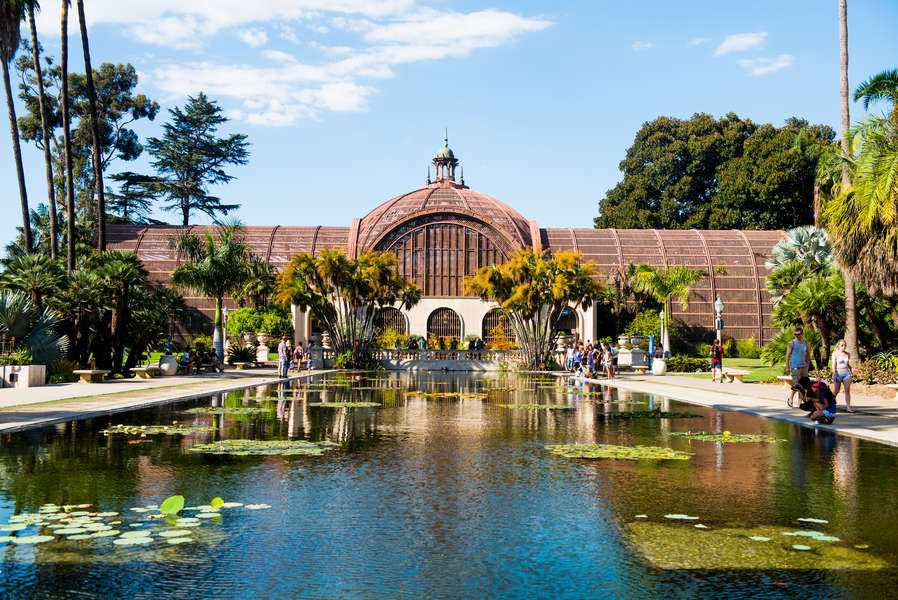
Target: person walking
[796,360]
[608,361]
[283,358]
[716,354]
[842,372]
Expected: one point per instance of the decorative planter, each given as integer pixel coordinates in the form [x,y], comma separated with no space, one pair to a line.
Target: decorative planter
[262,336]
[636,340]
[248,338]
[168,365]
[659,366]
[326,340]
[623,340]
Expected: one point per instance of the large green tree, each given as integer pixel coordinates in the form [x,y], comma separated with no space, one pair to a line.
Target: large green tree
[189,158]
[345,294]
[12,13]
[215,265]
[707,173]
[533,289]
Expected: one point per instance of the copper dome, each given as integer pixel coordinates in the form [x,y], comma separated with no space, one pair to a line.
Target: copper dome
[438,200]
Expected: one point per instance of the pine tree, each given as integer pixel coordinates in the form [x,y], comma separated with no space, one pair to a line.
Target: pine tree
[189,158]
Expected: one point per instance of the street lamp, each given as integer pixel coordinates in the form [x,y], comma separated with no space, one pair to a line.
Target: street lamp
[718,321]
[663,334]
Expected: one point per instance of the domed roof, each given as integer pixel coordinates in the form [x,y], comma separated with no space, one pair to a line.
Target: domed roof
[445,152]
[443,197]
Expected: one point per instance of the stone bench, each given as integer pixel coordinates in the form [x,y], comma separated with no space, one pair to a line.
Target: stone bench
[145,372]
[787,381]
[242,365]
[893,386]
[737,375]
[91,375]
[642,370]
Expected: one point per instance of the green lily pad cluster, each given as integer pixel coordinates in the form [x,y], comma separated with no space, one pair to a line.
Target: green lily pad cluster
[143,430]
[725,436]
[344,404]
[160,524]
[264,447]
[230,410]
[618,452]
[653,414]
[538,406]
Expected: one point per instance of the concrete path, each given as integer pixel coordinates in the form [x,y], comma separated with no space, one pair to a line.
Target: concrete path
[876,418]
[35,407]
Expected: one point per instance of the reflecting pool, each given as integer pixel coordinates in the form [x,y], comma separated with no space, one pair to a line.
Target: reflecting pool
[442,485]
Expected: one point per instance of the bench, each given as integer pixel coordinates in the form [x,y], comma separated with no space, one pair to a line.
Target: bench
[893,386]
[91,375]
[641,369]
[735,375]
[145,372]
[242,365]
[787,381]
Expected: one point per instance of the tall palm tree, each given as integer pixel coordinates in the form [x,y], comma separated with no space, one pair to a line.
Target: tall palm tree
[67,137]
[95,132]
[123,275]
[215,265]
[850,298]
[35,275]
[48,161]
[882,86]
[12,12]
[664,284]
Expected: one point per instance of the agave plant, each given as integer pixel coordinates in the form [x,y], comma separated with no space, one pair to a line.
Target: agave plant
[34,331]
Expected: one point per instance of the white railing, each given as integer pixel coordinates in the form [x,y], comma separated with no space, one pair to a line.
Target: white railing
[404,354]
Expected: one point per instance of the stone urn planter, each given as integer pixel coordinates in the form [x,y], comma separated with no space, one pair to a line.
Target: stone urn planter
[659,366]
[623,340]
[636,340]
[326,340]
[263,337]
[168,365]
[248,338]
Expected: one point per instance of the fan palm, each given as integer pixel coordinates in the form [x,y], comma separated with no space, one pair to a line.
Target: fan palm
[34,330]
[817,301]
[215,265]
[123,275]
[35,275]
[12,13]
[664,284]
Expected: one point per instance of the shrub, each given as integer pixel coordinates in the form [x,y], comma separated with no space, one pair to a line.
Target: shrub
[747,348]
[872,371]
[272,319]
[60,371]
[241,354]
[499,339]
[389,337]
[774,352]
[244,319]
[205,340]
[413,337]
[341,361]
[686,364]
[471,337]
[704,350]
[648,323]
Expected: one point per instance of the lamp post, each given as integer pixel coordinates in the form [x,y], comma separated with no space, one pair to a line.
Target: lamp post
[224,332]
[718,321]
[663,334]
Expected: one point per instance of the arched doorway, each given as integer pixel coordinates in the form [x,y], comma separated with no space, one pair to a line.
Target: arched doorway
[491,321]
[568,321]
[444,323]
[390,318]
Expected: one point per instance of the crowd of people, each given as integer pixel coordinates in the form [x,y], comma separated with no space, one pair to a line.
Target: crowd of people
[590,360]
[198,359]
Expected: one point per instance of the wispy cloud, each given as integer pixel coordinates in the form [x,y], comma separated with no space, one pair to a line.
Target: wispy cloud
[763,66]
[639,46]
[253,37]
[698,41]
[741,42]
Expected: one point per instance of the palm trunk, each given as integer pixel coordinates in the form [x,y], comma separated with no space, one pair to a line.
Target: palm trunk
[875,325]
[95,133]
[217,342]
[17,154]
[67,136]
[850,299]
[45,136]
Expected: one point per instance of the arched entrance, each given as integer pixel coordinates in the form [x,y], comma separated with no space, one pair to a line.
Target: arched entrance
[444,323]
[568,321]
[390,318]
[491,322]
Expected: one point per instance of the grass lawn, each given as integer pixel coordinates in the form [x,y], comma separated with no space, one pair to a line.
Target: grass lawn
[758,371]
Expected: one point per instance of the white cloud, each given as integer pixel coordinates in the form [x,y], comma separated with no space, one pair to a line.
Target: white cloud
[639,46]
[763,66]
[698,41]
[741,42]
[253,37]
[361,41]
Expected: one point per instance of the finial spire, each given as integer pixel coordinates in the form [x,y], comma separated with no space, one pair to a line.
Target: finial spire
[446,138]
[428,174]
[462,175]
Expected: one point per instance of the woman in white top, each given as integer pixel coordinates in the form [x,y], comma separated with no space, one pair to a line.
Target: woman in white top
[842,372]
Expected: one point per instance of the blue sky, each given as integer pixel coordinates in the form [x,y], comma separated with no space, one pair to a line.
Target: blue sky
[345,101]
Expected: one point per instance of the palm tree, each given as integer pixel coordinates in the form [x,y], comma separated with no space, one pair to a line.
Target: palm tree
[48,161]
[215,265]
[816,302]
[123,275]
[35,275]
[34,330]
[12,12]
[95,133]
[67,137]
[850,299]
[664,284]
[882,86]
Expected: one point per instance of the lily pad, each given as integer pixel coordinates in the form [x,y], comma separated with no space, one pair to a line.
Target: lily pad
[105,533]
[231,410]
[681,517]
[133,541]
[257,506]
[539,406]
[155,430]
[80,536]
[70,530]
[187,522]
[13,527]
[208,515]
[6,538]
[216,502]
[107,514]
[725,437]
[33,539]
[179,540]
[653,414]
[618,452]
[264,447]
[231,504]
[800,547]
[700,526]
[641,516]
[759,538]
[174,533]
[344,404]
[812,520]
[172,505]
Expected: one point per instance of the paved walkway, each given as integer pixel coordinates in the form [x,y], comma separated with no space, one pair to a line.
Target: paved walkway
[35,407]
[876,417]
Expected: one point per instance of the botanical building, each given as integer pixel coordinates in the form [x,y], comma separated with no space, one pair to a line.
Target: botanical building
[445,231]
